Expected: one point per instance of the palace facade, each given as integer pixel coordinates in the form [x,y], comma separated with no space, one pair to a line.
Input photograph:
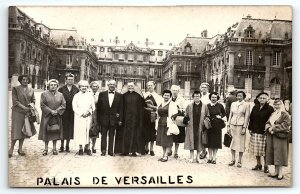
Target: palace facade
[253,55]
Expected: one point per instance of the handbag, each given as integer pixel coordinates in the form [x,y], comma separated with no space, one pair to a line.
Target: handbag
[153,117]
[207,123]
[27,129]
[53,125]
[227,139]
[219,122]
[94,129]
[282,135]
[204,138]
[180,121]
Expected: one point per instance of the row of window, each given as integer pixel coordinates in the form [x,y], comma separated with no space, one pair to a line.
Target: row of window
[107,69]
[159,53]
[276,58]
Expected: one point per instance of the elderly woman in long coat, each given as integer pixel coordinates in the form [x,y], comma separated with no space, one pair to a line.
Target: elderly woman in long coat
[195,112]
[277,144]
[83,106]
[53,105]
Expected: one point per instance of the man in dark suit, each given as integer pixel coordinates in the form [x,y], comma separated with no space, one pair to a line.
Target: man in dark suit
[109,114]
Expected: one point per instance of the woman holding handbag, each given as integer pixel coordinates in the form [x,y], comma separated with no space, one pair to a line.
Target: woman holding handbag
[217,114]
[237,123]
[196,112]
[277,143]
[53,105]
[22,96]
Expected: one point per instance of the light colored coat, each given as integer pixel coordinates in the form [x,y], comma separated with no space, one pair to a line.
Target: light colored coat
[82,103]
[239,113]
[189,136]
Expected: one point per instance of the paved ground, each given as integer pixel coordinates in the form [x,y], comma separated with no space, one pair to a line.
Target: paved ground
[24,171]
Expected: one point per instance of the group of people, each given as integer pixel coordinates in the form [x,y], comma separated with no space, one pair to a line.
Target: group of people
[133,121]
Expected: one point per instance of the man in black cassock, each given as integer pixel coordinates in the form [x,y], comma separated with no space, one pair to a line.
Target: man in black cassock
[133,140]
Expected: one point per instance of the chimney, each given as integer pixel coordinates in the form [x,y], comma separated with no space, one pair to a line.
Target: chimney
[204,34]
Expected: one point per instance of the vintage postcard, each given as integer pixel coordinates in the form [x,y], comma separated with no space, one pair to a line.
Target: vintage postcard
[150,96]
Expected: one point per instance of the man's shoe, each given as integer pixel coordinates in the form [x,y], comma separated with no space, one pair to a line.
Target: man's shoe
[103,154]
[61,149]
[152,153]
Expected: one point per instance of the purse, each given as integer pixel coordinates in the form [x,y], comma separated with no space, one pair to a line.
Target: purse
[227,140]
[180,121]
[53,125]
[282,135]
[204,138]
[27,129]
[94,129]
[207,123]
[153,117]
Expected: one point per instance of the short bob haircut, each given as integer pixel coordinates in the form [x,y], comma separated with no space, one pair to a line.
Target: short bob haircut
[149,82]
[214,93]
[241,92]
[94,83]
[83,82]
[167,92]
[196,92]
[52,80]
[20,78]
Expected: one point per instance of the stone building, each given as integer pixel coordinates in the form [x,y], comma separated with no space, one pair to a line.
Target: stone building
[183,64]
[254,55]
[139,62]
[44,53]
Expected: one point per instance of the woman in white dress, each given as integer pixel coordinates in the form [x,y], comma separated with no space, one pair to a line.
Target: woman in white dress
[83,106]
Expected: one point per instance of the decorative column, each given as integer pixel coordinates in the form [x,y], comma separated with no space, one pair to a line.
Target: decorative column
[267,63]
[37,68]
[230,72]
[31,68]
[82,69]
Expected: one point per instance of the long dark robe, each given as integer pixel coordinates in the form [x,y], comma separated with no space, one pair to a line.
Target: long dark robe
[68,116]
[133,130]
[150,132]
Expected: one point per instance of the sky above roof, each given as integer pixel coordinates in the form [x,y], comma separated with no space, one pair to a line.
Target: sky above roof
[169,24]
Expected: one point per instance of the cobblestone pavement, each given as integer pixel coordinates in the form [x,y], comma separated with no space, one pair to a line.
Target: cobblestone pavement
[24,171]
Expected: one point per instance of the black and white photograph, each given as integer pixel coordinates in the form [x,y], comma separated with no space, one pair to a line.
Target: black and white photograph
[166,96]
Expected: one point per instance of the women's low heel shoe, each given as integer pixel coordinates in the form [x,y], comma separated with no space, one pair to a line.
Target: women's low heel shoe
[45,152]
[280,177]
[231,163]
[21,153]
[239,165]
[55,152]
[164,159]
[213,162]
[257,167]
